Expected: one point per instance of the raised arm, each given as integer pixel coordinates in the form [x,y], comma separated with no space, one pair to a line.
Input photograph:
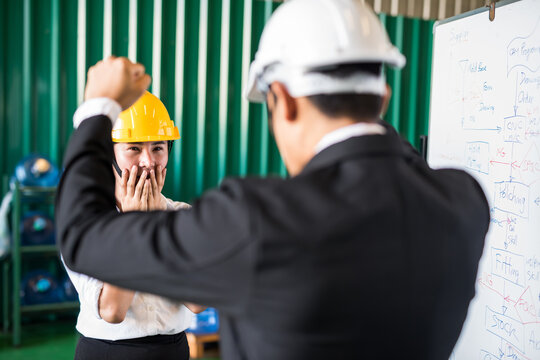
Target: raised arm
[203,255]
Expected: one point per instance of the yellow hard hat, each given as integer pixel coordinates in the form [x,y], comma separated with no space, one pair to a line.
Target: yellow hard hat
[146,120]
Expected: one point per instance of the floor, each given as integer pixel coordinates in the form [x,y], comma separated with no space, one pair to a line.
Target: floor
[45,340]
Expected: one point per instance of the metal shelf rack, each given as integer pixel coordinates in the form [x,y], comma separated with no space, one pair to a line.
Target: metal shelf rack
[22,195]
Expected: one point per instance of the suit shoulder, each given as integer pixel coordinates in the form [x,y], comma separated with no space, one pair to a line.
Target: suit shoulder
[467,188]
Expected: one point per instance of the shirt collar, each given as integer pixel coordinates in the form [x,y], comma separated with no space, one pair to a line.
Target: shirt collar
[349,131]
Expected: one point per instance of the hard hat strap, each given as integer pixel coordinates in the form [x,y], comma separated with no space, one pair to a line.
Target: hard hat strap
[116,167]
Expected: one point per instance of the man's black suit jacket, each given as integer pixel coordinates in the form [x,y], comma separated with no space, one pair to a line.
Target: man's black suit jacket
[367,253]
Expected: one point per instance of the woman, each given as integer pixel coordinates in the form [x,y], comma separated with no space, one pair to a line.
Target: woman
[120,323]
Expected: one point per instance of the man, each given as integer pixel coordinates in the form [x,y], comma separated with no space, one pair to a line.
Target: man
[364,252]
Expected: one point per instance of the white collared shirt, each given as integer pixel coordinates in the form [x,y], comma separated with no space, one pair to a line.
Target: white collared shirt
[347,132]
[96,106]
[147,315]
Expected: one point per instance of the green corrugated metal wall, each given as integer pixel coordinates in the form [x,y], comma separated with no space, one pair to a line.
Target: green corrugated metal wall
[198,54]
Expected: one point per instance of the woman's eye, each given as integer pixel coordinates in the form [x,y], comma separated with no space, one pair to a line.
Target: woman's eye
[133,148]
[158,148]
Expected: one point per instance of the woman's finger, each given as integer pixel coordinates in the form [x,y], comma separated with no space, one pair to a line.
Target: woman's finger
[140,185]
[150,190]
[132,180]
[161,173]
[154,183]
[144,197]
[124,179]
[121,180]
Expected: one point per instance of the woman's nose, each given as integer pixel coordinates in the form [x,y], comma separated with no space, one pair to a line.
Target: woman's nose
[145,160]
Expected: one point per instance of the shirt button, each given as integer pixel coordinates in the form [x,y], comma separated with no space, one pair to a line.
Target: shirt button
[150,308]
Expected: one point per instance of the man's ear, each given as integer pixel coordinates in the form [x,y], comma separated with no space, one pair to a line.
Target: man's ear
[285,100]
[386,100]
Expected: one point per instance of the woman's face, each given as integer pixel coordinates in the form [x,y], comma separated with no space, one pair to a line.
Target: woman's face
[146,155]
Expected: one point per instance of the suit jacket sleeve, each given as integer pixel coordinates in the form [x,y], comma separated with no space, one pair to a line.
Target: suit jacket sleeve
[205,254]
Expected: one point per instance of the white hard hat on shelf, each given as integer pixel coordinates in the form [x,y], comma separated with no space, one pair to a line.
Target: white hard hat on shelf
[306,35]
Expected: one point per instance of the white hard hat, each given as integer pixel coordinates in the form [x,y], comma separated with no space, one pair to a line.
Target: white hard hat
[303,35]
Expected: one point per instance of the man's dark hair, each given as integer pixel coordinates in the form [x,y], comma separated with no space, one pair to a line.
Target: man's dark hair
[356,106]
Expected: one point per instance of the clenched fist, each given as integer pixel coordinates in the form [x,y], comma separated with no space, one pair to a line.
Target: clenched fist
[117,78]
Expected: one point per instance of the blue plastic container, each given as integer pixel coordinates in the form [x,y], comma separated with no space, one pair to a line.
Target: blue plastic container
[36,170]
[207,322]
[70,293]
[40,287]
[37,229]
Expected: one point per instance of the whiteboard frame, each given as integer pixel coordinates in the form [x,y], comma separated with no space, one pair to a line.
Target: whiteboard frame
[498,4]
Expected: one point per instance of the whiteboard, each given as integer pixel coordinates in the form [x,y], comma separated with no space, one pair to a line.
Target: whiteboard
[485,119]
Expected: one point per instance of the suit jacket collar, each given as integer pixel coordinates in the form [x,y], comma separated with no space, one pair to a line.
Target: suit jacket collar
[358,146]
